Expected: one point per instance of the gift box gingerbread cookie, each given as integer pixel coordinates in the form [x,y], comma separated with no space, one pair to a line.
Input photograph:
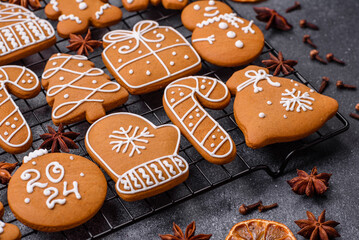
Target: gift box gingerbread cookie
[270,109]
[22,33]
[149,57]
[140,157]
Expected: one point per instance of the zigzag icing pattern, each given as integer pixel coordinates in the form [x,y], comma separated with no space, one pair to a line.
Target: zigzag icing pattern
[231,18]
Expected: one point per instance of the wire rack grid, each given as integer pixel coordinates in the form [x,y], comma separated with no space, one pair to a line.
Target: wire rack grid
[116,213]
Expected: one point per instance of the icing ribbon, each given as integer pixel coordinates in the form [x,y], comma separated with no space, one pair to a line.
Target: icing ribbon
[254,78]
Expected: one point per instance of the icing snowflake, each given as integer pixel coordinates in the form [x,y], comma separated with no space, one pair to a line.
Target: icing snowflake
[125,140]
[303,100]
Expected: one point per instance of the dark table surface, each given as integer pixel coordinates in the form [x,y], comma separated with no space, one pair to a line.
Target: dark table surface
[217,211]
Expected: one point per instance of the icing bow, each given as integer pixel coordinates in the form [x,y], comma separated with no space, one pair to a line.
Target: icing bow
[137,34]
[255,77]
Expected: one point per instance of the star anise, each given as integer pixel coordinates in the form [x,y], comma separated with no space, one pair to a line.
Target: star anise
[83,45]
[320,229]
[5,171]
[189,234]
[59,140]
[272,18]
[310,184]
[278,64]
[35,4]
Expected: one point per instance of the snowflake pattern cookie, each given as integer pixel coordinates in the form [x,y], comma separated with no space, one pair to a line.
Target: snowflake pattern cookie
[76,16]
[149,57]
[183,101]
[140,157]
[138,5]
[228,40]
[198,11]
[76,90]
[15,133]
[270,109]
[53,192]
[22,33]
[8,231]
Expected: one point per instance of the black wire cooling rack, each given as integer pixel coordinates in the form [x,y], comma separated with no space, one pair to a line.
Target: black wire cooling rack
[116,213]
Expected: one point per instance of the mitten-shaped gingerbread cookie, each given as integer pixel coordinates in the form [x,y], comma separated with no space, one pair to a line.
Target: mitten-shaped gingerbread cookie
[271,109]
[8,231]
[183,100]
[198,11]
[75,16]
[140,157]
[76,90]
[53,192]
[137,5]
[227,40]
[22,33]
[15,134]
[149,57]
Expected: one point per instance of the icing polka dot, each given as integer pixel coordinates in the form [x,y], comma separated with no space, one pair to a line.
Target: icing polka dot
[154,32]
[80,64]
[29,81]
[172,63]
[131,71]
[158,45]
[231,34]
[27,200]
[173,100]
[203,87]
[173,92]
[61,78]
[212,145]
[82,174]
[166,29]
[54,63]
[82,6]
[190,125]
[181,94]
[120,60]
[114,47]
[198,115]
[269,102]
[66,96]
[34,163]
[6,133]
[222,137]
[140,52]
[214,136]
[7,123]
[204,80]
[296,84]
[223,25]
[23,81]
[262,115]
[148,73]
[71,158]
[211,2]
[186,57]
[27,74]
[311,90]
[174,53]
[196,7]
[239,44]
[197,110]
[13,126]
[94,81]
[130,41]
[190,117]
[148,62]
[16,119]
[285,116]
[177,40]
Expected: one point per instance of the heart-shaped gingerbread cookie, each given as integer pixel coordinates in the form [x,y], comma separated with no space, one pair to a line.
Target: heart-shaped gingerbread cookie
[271,109]
[140,157]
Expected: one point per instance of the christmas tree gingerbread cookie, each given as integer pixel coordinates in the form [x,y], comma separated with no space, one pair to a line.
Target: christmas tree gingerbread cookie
[8,231]
[183,100]
[140,157]
[22,33]
[198,11]
[227,40]
[76,16]
[53,192]
[15,133]
[76,90]
[270,109]
[149,57]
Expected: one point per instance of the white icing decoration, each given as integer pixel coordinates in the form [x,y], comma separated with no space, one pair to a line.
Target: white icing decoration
[54,4]
[57,168]
[239,44]
[248,28]
[27,200]
[71,17]
[172,63]
[71,158]
[285,116]
[311,90]
[101,11]
[186,57]
[57,89]
[262,115]
[129,1]
[82,6]
[223,25]
[209,39]
[291,99]
[269,102]
[174,53]
[26,175]
[125,140]
[231,18]
[119,37]
[211,2]
[196,7]
[194,88]
[74,190]
[231,34]
[34,163]
[148,73]
[254,78]
[50,202]
[2,225]
[35,154]
[170,166]
[208,9]
[82,174]
[153,172]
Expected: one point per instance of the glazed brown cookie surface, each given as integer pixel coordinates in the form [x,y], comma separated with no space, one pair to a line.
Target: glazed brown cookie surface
[227,40]
[140,157]
[137,5]
[56,191]
[271,109]
[198,11]
[77,90]
[15,133]
[149,57]
[22,33]
[76,16]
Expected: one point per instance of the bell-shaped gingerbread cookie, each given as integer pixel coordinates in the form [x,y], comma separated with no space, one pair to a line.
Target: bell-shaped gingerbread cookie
[8,231]
[270,109]
[140,157]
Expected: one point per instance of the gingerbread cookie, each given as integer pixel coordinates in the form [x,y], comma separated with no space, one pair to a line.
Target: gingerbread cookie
[8,231]
[76,16]
[22,33]
[149,57]
[271,109]
[15,134]
[138,5]
[227,40]
[140,157]
[76,90]
[56,191]
[198,11]
[183,100]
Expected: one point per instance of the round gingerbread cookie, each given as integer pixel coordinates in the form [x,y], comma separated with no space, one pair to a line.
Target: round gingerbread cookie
[56,191]
[199,11]
[227,40]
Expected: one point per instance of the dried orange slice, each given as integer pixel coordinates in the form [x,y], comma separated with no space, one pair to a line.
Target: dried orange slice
[258,229]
